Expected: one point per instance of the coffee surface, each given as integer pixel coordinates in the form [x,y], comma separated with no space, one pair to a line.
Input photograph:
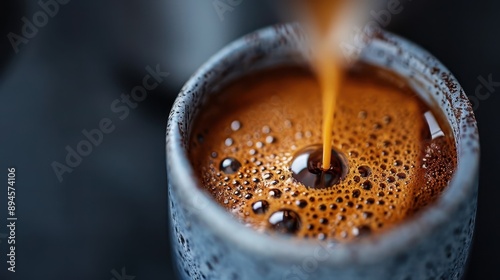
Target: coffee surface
[395,154]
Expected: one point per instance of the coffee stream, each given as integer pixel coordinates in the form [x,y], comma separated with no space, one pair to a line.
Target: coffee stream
[324,19]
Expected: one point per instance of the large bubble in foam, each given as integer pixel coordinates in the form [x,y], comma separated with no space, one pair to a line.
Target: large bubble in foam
[306,168]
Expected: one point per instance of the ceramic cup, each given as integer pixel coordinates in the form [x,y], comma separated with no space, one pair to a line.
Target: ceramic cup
[210,244]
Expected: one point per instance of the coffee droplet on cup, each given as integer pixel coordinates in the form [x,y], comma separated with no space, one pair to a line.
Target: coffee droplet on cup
[307,168]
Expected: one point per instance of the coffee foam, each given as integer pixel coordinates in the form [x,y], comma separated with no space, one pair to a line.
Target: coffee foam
[261,121]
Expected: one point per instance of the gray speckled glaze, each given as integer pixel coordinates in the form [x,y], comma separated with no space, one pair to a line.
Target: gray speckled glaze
[210,244]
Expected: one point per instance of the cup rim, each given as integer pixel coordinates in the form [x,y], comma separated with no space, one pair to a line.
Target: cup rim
[365,251]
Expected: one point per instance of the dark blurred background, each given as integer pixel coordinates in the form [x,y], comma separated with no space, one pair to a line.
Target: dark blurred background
[107,219]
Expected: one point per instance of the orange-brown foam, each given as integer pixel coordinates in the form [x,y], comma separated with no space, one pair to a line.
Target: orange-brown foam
[263,119]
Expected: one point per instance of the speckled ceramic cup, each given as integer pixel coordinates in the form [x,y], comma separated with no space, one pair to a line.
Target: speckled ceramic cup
[210,244]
